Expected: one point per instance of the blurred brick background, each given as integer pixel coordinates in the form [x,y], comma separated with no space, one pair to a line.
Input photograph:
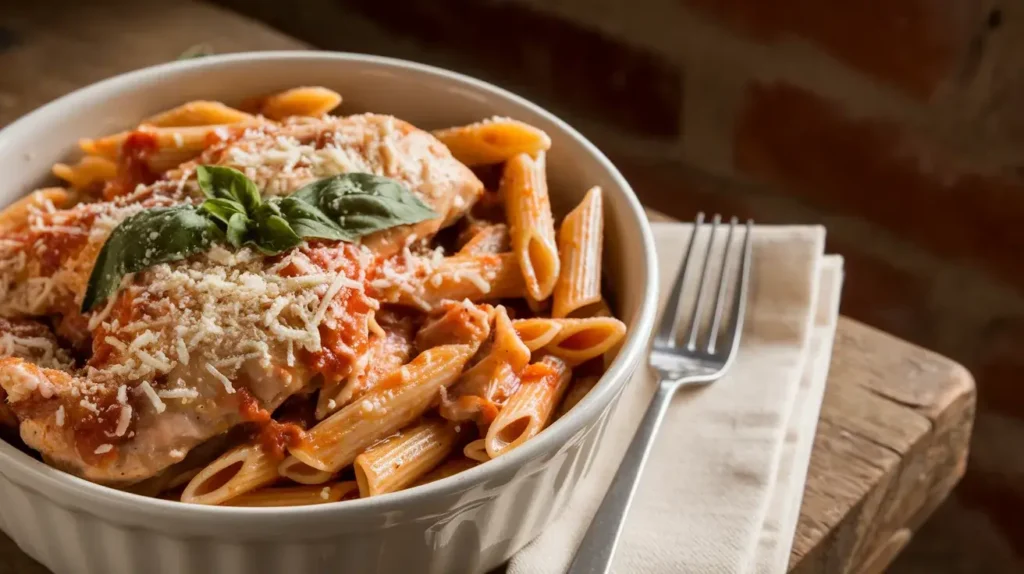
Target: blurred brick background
[899,124]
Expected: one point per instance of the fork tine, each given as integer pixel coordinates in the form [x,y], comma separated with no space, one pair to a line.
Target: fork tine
[739,302]
[698,309]
[666,335]
[716,320]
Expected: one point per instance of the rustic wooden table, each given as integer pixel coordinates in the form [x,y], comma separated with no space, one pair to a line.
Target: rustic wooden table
[892,440]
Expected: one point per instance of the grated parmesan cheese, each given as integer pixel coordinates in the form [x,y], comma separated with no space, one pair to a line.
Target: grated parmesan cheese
[59,417]
[123,420]
[154,399]
[184,394]
[220,377]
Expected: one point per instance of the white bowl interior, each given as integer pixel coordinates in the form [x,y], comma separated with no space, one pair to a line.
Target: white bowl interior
[426,97]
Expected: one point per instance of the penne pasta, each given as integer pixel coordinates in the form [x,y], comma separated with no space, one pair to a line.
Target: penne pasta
[488,240]
[447,468]
[472,277]
[401,398]
[530,408]
[537,332]
[90,171]
[240,470]
[173,145]
[295,495]
[493,141]
[531,226]
[574,340]
[182,478]
[306,101]
[297,471]
[599,309]
[198,113]
[402,459]
[580,240]
[476,451]
[16,214]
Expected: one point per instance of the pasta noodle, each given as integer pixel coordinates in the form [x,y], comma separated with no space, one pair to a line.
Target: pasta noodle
[530,409]
[579,246]
[573,340]
[198,113]
[402,459]
[90,171]
[493,141]
[488,240]
[472,277]
[476,451]
[308,101]
[240,470]
[296,329]
[16,215]
[295,495]
[337,440]
[537,332]
[531,227]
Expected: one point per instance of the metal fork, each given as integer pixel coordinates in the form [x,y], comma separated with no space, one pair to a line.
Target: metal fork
[677,364]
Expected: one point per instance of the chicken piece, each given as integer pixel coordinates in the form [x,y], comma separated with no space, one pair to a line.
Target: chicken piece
[190,350]
[281,159]
[34,342]
[193,348]
[45,263]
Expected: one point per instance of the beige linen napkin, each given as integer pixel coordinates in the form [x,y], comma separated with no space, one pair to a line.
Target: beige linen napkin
[720,492]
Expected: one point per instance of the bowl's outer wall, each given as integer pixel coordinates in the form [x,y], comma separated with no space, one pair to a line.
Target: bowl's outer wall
[472,522]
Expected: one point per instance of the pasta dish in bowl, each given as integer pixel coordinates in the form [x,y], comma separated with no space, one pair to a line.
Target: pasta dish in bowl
[275,301]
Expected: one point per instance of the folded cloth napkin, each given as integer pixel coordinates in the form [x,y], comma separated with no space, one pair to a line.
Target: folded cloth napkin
[722,489]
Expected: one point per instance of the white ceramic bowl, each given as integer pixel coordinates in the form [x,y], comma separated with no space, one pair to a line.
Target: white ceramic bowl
[469,523]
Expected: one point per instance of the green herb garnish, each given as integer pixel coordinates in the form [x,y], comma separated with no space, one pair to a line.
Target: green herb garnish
[342,208]
[151,237]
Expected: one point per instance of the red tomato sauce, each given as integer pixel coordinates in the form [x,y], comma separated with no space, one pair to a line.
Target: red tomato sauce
[132,168]
[343,333]
[273,436]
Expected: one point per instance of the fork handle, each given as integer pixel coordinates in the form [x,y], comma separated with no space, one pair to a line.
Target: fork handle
[594,555]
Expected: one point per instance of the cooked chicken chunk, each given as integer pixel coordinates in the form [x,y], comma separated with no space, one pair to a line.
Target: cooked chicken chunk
[187,350]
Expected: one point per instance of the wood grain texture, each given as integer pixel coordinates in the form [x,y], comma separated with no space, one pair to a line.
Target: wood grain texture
[892,440]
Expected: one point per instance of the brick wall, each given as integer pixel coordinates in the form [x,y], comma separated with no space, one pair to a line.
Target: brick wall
[897,123]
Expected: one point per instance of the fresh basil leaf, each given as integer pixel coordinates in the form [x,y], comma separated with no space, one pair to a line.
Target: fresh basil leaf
[309,222]
[223,209]
[219,182]
[151,237]
[274,235]
[238,231]
[362,203]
